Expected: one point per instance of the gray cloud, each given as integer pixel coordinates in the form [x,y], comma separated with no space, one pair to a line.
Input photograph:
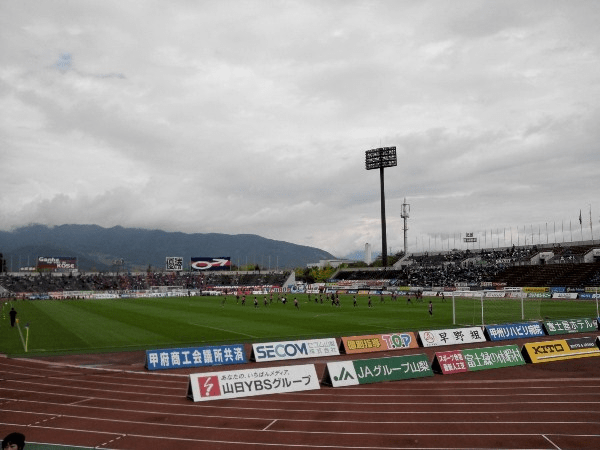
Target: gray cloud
[253,117]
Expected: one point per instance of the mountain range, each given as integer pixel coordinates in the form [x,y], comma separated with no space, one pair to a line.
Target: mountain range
[97,248]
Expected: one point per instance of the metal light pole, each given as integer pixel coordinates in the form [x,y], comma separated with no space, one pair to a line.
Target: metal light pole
[381,158]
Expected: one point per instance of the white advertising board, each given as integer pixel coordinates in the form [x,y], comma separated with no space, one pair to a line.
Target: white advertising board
[310,348]
[251,382]
[435,338]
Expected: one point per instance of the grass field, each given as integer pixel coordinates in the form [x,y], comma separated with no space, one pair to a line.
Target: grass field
[84,326]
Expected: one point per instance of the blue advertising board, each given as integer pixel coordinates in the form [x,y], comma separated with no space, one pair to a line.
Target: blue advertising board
[514,331]
[182,358]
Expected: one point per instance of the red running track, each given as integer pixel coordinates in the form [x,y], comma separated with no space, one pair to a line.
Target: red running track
[112,402]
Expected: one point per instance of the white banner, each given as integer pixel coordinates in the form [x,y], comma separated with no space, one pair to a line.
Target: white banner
[495,294]
[251,382]
[278,351]
[569,295]
[434,338]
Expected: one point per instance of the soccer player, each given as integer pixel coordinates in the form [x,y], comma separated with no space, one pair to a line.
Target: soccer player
[13,317]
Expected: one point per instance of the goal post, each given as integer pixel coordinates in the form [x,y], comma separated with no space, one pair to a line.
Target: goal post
[494,307]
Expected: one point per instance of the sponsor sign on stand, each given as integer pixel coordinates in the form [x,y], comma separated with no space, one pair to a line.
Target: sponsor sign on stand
[475,359]
[181,358]
[493,357]
[278,351]
[514,331]
[366,371]
[538,352]
[434,338]
[569,326]
[251,382]
[378,342]
[449,362]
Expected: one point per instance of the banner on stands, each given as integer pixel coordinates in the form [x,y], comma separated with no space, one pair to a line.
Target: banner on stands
[495,294]
[366,371]
[434,338]
[278,351]
[569,326]
[378,342]
[251,382]
[567,295]
[514,331]
[180,358]
[538,352]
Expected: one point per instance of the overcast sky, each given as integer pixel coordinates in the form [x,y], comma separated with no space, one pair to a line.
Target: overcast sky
[254,117]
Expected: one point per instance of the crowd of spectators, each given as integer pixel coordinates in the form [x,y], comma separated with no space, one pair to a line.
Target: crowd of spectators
[466,268]
[425,275]
[191,281]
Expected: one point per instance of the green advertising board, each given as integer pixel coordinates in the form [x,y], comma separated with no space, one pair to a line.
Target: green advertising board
[376,370]
[493,357]
[568,326]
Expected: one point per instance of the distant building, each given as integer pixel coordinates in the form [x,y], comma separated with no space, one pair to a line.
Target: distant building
[368,255]
[330,263]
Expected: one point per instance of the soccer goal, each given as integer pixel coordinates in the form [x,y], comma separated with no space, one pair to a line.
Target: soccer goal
[494,307]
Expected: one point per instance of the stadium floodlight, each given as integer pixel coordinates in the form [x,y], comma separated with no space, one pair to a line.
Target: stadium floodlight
[381,158]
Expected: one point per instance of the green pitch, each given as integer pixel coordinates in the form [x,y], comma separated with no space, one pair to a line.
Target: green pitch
[80,326]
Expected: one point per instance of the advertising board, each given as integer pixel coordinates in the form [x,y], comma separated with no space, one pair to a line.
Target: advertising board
[251,382]
[211,263]
[539,352]
[56,263]
[434,338]
[514,331]
[475,359]
[568,326]
[278,351]
[449,362]
[179,358]
[174,263]
[366,371]
[493,357]
[378,342]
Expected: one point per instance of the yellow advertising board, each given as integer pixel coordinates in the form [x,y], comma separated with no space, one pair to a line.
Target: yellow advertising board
[538,352]
[536,289]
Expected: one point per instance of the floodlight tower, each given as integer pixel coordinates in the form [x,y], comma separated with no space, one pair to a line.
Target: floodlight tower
[405,214]
[381,158]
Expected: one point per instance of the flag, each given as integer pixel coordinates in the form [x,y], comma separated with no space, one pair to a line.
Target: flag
[579,217]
